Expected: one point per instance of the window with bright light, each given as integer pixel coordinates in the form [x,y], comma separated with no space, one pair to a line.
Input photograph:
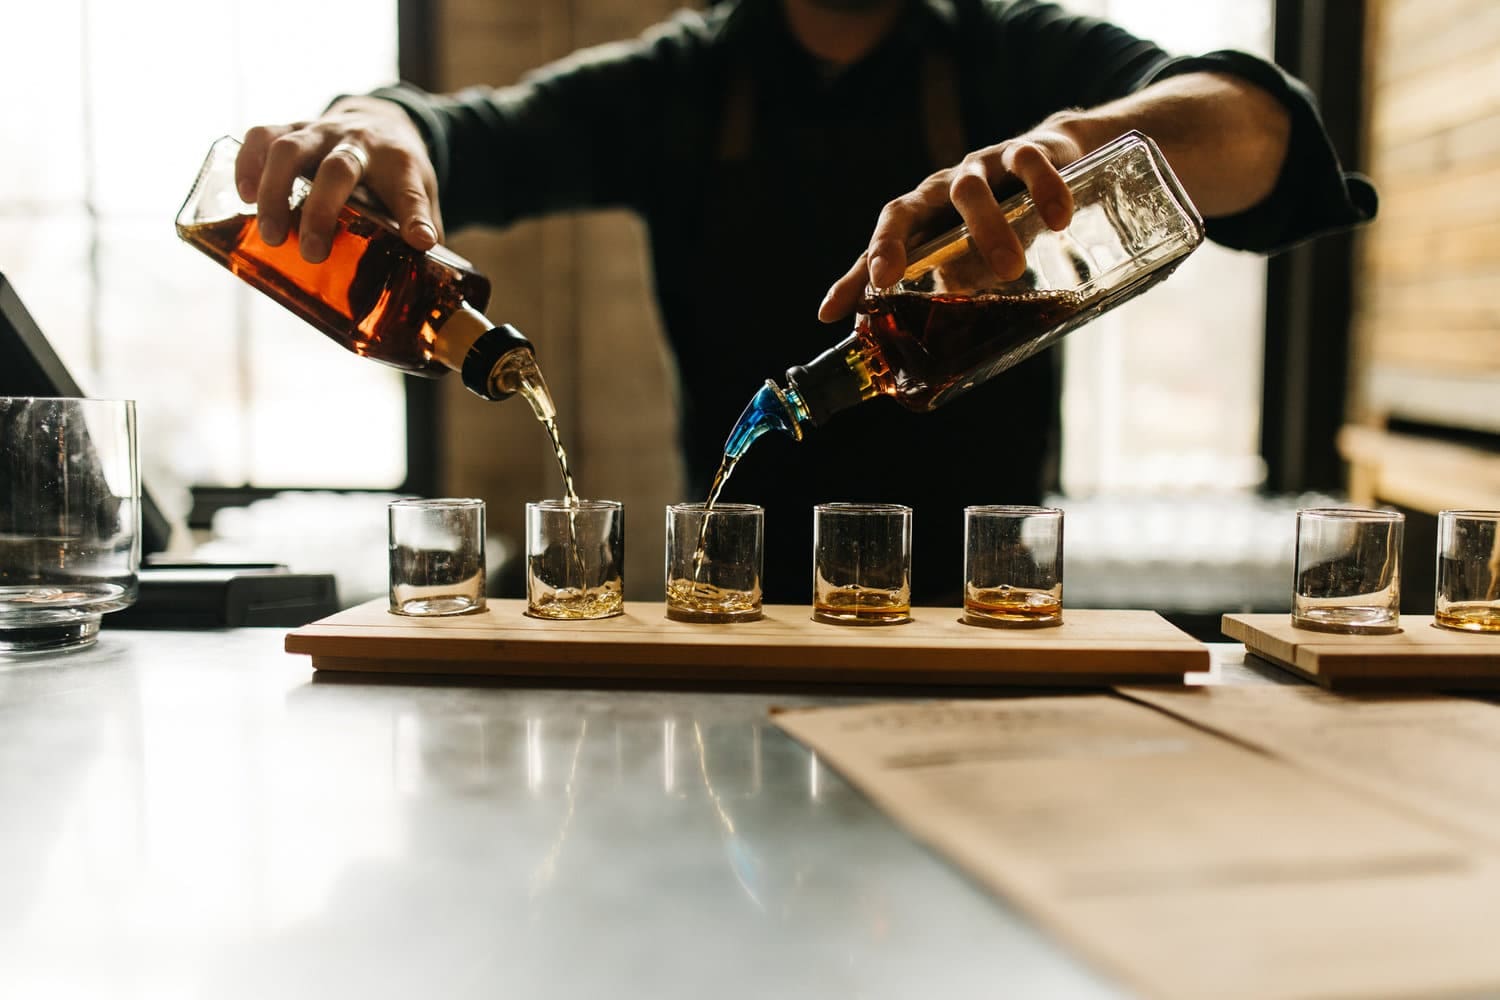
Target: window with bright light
[1164,394]
[1161,394]
[112,110]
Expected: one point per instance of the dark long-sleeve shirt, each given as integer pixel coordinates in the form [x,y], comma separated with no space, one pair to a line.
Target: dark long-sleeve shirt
[739,148]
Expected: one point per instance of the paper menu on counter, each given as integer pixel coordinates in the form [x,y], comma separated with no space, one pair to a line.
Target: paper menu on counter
[1434,755]
[1184,864]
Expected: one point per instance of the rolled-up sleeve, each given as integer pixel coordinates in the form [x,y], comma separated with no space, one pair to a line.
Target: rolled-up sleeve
[1051,59]
[1314,194]
[587,131]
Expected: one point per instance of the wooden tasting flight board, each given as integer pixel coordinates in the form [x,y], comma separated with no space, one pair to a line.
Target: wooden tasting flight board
[1420,656]
[1091,647]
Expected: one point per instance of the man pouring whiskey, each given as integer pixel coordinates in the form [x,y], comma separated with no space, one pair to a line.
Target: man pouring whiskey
[760,139]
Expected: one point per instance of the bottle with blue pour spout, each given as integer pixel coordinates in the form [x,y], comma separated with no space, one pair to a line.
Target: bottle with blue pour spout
[950,324]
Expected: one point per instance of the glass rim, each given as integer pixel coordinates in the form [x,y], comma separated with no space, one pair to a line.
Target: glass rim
[725,508]
[68,399]
[1351,514]
[437,503]
[843,507]
[553,503]
[1011,508]
[1472,515]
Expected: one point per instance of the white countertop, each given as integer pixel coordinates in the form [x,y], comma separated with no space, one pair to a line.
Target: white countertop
[192,814]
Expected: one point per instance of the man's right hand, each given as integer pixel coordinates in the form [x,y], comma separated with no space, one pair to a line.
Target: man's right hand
[359,140]
[1032,159]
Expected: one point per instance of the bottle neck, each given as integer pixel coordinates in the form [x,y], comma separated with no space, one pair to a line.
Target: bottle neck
[835,380]
[494,361]
[457,335]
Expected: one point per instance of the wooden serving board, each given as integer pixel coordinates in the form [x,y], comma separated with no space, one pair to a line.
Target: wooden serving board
[1420,656]
[1091,647]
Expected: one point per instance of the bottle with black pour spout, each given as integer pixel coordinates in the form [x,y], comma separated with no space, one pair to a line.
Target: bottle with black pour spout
[374,294]
[950,324]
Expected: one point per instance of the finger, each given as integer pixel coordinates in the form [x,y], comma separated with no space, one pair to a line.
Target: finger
[887,250]
[899,222]
[845,293]
[404,191]
[429,184]
[287,157]
[338,174]
[250,161]
[1030,163]
[973,195]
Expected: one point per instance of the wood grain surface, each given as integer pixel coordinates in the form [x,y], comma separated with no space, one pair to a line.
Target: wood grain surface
[1090,647]
[1420,656]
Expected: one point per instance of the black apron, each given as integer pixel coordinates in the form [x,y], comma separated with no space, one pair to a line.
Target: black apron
[798,178]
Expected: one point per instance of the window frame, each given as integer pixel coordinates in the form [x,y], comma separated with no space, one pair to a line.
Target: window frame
[415,59]
[1309,290]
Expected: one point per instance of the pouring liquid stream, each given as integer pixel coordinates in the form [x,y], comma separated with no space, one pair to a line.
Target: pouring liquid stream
[764,413]
[726,469]
[580,598]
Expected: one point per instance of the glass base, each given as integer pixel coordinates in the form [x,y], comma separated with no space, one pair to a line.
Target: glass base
[1348,621]
[1477,616]
[713,617]
[572,604]
[49,638]
[861,617]
[1011,621]
[438,607]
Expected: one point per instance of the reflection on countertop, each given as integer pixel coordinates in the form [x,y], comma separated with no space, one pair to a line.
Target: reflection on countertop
[190,814]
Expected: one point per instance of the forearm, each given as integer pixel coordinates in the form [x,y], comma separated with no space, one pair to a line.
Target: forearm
[1225,137]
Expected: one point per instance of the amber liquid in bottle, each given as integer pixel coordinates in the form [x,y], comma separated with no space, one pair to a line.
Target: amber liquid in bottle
[376,296]
[919,349]
[922,349]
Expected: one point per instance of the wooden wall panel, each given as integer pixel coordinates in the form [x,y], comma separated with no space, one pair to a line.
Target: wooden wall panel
[1428,299]
[577,285]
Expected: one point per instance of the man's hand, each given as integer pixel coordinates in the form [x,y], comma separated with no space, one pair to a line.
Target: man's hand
[360,140]
[1032,159]
[1225,137]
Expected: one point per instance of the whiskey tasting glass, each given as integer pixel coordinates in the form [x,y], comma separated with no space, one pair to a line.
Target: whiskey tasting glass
[575,559]
[861,563]
[70,515]
[437,556]
[1013,566]
[1468,571]
[1348,570]
[714,561]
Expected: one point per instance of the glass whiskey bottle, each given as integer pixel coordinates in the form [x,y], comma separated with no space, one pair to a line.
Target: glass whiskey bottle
[374,295]
[951,324]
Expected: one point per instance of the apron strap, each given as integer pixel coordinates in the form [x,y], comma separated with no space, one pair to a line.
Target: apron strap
[737,124]
[941,111]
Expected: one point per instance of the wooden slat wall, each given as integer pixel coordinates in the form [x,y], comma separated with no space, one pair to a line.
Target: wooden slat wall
[1428,298]
[577,287]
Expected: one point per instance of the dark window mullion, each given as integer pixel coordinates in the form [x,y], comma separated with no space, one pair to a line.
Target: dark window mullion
[1309,290]
[90,191]
[416,61]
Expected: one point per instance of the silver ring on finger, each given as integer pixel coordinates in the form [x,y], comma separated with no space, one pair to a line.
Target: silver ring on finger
[354,152]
